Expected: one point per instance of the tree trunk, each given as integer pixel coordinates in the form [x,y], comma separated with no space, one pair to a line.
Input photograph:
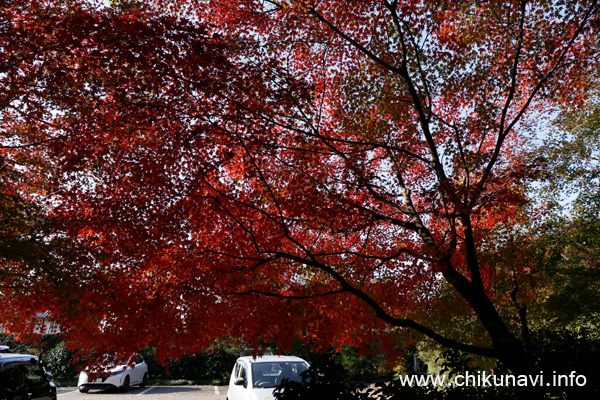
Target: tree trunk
[509,349]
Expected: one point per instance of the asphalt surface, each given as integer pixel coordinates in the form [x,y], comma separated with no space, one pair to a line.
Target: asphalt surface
[148,393]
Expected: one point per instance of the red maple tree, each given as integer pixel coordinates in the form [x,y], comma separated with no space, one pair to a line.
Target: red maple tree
[272,170]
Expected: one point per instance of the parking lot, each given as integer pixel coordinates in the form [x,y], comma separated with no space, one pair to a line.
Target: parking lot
[149,393]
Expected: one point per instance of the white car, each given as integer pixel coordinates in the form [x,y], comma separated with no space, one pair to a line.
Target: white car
[256,378]
[121,376]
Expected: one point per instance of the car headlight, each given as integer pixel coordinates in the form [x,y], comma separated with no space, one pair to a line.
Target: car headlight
[120,371]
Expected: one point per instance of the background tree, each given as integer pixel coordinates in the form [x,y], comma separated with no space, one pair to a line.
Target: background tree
[564,244]
[317,168]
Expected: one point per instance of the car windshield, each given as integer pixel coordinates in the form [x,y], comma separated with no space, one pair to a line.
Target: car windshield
[270,374]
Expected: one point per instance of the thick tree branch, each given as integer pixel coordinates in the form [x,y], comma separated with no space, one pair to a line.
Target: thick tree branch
[385,316]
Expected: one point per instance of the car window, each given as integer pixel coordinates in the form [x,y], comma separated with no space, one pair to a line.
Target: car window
[34,373]
[9,377]
[17,374]
[139,359]
[271,374]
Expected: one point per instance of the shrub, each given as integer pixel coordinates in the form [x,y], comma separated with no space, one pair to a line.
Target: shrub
[59,361]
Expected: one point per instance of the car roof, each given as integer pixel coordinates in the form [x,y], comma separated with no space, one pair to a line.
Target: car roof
[263,359]
[14,357]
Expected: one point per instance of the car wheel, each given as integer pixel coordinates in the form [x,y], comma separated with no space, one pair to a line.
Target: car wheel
[84,390]
[144,381]
[126,386]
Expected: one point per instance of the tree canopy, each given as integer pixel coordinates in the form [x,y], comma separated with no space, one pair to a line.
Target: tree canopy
[280,169]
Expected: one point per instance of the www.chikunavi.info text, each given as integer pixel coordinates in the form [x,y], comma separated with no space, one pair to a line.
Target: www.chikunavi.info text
[484,379]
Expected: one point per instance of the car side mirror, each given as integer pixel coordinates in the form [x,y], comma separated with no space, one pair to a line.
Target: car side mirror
[240,382]
[48,377]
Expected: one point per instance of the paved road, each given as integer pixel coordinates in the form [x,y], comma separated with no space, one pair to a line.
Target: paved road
[148,393]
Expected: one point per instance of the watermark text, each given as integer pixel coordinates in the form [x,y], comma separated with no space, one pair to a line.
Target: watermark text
[486,379]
